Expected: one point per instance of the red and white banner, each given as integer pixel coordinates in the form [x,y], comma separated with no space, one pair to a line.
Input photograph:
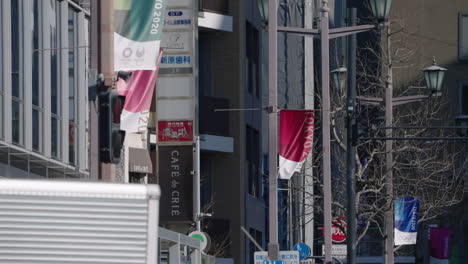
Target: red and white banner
[296,140]
[138,94]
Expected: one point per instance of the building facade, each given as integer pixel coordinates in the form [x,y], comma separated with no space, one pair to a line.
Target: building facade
[43,94]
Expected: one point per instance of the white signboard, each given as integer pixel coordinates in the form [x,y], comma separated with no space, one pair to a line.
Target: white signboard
[176,109]
[338,251]
[289,257]
[176,42]
[178,19]
[181,86]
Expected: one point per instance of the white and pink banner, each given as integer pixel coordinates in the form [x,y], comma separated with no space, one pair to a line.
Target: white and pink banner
[138,94]
[296,136]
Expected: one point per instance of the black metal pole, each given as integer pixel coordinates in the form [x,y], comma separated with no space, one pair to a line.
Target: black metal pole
[351,150]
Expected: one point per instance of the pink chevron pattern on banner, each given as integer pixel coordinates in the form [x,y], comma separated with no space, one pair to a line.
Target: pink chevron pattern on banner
[296,140]
[139,95]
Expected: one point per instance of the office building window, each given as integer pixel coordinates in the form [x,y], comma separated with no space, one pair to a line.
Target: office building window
[72,84]
[205,62]
[55,99]
[16,84]
[464,98]
[206,182]
[252,50]
[258,236]
[253,162]
[463,36]
[36,80]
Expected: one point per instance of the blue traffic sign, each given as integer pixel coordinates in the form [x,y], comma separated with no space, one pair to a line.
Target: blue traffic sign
[304,250]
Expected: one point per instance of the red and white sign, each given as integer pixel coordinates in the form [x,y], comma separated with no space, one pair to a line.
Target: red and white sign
[295,141]
[338,227]
[338,230]
[175,131]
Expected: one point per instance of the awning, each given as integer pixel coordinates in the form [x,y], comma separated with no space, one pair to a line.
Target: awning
[139,161]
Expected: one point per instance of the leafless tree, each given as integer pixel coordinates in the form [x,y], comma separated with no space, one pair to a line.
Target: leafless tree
[429,170]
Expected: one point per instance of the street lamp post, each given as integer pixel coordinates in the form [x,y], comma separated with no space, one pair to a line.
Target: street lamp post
[381,10]
[273,246]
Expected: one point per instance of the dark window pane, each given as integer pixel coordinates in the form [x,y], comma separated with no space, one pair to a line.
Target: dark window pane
[71,63]
[15,121]
[71,142]
[15,45]
[53,70]
[35,58]
[54,138]
[36,131]
[464,100]
[463,41]
[205,71]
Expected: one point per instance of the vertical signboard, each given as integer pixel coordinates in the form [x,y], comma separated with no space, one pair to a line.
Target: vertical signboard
[175,165]
[176,104]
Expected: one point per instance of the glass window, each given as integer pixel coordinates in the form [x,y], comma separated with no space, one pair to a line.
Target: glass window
[55,134]
[463,37]
[464,99]
[258,236]
[36,129]
[16,121]
[54,137]
[36,83]
[15,48]
[71,62]
[72,84]
[252,47]
[35,54]
[17,112]
[71,140]
[253,161]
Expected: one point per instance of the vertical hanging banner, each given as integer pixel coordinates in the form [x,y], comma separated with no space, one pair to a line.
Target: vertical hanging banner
[176,181]
[138,29]
[440,239]
[406,220]
[295,140]
[138,97]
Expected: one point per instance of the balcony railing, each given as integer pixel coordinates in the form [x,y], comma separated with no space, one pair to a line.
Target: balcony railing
[211,122]
[216,6]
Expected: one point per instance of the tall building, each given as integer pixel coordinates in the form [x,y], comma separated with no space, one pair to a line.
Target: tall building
[43,92]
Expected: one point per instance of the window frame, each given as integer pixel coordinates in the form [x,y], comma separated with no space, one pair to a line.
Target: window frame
[39,107]
[20,57]
[461,85]
[73,124]
[461,32]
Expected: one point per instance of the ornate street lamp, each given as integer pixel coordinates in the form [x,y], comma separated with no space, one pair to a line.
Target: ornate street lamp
[434,76]
[338,77]
[263,9]
[380,9]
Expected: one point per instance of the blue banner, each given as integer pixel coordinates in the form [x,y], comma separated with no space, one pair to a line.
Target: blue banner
[406,220]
